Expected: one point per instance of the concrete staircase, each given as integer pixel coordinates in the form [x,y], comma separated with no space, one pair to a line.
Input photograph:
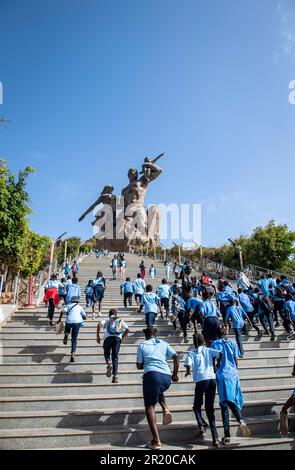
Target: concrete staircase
[46,402]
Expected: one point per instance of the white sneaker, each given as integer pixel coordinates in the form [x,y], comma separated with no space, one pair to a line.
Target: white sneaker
[93,316]
[99,314]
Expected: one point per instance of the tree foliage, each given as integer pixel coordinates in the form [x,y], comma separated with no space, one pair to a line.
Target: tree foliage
[73,248]
[14,208]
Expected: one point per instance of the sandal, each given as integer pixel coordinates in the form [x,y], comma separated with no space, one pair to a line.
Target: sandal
[153,446]
[167,418]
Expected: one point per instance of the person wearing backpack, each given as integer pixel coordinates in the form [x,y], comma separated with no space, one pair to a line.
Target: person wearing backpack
[116,331]
[99,285]
[88,291]
[75,316]
[62,290]
[73,290]
[126,289]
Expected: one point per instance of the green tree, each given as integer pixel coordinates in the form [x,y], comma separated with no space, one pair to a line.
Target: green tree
[36,251]
[73,248]
[14,208]
[270,246]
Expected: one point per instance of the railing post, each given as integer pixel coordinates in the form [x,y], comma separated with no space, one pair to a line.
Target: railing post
[31,293]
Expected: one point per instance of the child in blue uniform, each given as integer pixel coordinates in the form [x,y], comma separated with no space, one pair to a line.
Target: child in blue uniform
[228,384]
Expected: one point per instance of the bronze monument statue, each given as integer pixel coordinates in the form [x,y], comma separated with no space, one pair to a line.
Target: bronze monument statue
[134,223]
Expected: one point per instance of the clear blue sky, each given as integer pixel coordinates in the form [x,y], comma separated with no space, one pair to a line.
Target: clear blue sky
[93,86]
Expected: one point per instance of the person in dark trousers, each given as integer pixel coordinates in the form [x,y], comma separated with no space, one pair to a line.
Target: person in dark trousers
[201,361]
[89,294]
[126,289]
[99,286]
[210,313]
[116,331]
[51,296]
[236,316]
[163,292]
[75,316]
[278,298]
[151,303]
[248,307]
[265,308]
[179,312]
[228,384]
[152,357]
[283,423]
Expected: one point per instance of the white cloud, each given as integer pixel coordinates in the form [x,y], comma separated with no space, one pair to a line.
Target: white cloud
[287,30]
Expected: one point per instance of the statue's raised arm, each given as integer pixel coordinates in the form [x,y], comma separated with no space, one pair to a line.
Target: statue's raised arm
[105,197]
[150,170]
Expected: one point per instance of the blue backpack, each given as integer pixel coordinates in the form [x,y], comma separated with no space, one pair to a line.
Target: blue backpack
[112,325]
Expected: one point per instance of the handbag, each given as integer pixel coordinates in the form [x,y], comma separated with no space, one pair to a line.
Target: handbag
[59,328]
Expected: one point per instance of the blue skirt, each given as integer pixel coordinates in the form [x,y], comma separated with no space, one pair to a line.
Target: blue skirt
[230,390]
[154,385]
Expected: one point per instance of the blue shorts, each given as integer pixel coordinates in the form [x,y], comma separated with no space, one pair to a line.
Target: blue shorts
[154,385]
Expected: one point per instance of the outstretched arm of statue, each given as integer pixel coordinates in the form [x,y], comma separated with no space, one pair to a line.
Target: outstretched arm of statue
[99,200]
[155,170]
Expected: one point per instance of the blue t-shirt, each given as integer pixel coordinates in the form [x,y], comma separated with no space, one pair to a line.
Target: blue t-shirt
[150,302]
[208,309]
[201,362]
[230,352]
[237,315]
[139,286]
[73,290]
[290,308]
[193,302]
[264,286]
[181,303]
[153,354]
[246,303]
[163,291]
[127,287]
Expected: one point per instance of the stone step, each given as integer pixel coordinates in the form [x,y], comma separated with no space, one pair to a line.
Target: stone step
[176,342]
[254,361]
[92,417]
[130,382]
[113,400]
[59,373]
[127,353]
[267,442]
[119,435]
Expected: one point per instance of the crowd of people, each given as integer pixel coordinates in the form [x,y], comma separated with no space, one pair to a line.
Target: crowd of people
[209,311]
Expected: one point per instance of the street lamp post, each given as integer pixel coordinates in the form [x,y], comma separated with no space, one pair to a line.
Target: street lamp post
[53,242]
[239,248]
[179,252]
